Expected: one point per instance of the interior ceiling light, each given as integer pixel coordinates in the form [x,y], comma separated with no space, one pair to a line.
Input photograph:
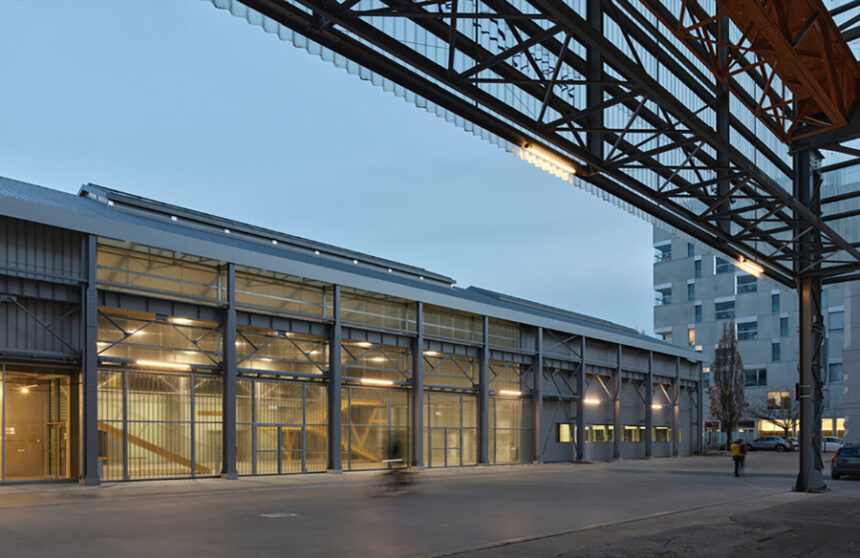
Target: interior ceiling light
[750,267]
[591,401]
[511,392]
[377,382]
[166,365]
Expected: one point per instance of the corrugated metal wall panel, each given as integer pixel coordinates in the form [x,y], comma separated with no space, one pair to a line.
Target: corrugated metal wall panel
[31,247]
[21,330]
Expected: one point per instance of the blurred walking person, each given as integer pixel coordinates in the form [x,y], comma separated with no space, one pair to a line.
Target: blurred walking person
[738,454]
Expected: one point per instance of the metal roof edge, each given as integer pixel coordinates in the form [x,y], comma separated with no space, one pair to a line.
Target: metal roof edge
[123,200]
[412,289]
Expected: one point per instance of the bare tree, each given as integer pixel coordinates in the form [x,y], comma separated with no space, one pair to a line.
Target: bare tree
[783,413]
[727,382]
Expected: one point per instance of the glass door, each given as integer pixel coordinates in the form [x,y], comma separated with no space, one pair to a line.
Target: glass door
[279,449]
[35,416]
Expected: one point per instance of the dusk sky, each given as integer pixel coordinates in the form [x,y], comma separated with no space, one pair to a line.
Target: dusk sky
[184,103]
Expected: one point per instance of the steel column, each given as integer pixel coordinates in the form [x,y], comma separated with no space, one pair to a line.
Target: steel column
[594,89]
[484,398]
[700,414]
[90,365]
[580,402]
[334,387]
[616,408]
[538,394]
[228,379]
[3,421]
[676,408]
[811,331]
[723,130]
[649,400]
[418,389]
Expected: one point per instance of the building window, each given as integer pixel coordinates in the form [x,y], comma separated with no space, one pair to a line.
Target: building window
[667,336]
[721,265]
[756,377]
[690,250]
[698,311]
[724,310]
[633,434]
[774,303]
[600,433]
[746,284]
[691,292]
[835,372]
[774,352]
[778,400]
[661,434]
[662,253]
[836,321]
[747,331]
[663,296]
[697,268]
[706,379]
[691,336]
[565,435]
[783,327]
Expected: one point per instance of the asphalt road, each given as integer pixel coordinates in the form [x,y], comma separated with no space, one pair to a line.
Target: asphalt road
[480,511]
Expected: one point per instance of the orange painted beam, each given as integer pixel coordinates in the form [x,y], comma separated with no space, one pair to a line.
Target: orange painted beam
[791,48]
[806,50]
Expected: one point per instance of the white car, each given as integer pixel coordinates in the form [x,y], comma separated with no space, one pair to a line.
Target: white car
[830,443]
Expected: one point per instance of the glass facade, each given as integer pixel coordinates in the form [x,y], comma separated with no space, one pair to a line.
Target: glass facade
[511,430]
[377,311]
[163,273]
[282,427]
[156,424]
[448,324]
[450,429]
[160,379]
[375,361]
[375,426]
[281,352]
[281,294]
[38,423]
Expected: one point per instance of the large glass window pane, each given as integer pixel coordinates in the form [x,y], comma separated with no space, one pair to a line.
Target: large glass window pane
[278,293]
[447,324]
[281,351]
[142,336]
[377,311]
[375,424]
[154,271]
[363,359]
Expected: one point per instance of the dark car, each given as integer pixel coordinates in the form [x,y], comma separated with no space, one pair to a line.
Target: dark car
[769,443]
[846,461]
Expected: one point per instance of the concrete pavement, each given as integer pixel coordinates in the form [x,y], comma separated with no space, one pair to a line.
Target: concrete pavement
[486,511]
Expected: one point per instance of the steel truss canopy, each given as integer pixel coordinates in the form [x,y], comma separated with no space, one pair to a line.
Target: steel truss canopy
[601,94]
[793,52]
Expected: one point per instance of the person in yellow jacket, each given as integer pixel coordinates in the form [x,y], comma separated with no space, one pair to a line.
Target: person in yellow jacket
[738,455]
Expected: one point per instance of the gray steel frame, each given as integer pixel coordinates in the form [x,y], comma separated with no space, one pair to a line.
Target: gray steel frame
[716,195]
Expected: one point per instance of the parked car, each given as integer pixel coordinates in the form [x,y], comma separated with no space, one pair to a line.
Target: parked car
[770,443]
[846,461]
[794,443]
[831,443]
